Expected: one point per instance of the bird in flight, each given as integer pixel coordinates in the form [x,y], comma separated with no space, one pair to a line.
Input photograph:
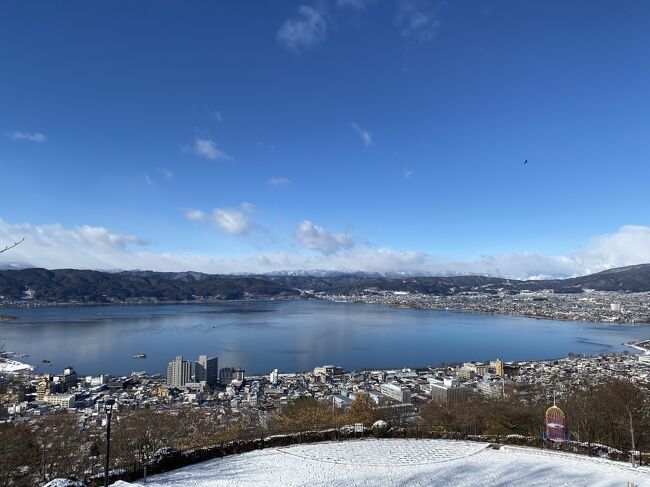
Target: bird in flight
[526,161]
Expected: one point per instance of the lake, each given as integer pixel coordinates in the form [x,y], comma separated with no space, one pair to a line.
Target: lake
[292,336]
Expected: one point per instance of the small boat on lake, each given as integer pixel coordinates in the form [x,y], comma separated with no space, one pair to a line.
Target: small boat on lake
[140,355]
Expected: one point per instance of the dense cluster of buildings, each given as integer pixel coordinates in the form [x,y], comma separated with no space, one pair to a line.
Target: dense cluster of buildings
[228,392]
[197,375]
[592,306]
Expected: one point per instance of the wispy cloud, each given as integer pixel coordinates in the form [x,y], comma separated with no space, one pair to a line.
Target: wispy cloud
[278,182]
[165,173]
[315,237]
[354,4]
[307,29]
[28,136]
[235,221]
[208,149]
[195,215]
[366,137]
[418,19]
[408,173]
[161,174]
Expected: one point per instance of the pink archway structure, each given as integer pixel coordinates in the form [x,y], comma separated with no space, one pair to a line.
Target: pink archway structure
[555,423]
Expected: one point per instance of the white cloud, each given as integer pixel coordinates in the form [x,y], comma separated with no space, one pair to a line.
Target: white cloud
[514,265]
[28,136]
[417,19]
[148,180]
[314,237]
[305,30]
[87,247]
[278,182]
[55,246]
[194,215]
[234,221]
[408,173]
[366,137]
[379,260]
[207,148]
[629,245]
[96,247]
[219,117]
[100,236]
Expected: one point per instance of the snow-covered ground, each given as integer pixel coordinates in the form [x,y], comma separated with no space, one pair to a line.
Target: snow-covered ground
[9,366]
[404,462]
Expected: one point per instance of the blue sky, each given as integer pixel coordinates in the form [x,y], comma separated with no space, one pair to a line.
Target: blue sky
[348,134]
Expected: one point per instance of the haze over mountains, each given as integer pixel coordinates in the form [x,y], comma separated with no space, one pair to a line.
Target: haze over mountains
[98,248]
[64,285]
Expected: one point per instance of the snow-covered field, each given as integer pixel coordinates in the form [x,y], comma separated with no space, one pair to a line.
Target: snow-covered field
[404,462]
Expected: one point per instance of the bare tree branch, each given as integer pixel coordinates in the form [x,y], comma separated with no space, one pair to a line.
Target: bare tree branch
[9,247]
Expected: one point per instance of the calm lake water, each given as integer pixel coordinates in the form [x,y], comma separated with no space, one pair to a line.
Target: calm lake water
[292,336]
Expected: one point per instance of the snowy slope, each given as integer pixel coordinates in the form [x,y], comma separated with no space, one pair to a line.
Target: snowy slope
[404,462]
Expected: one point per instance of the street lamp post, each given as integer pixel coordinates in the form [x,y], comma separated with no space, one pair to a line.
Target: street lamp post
[108,407]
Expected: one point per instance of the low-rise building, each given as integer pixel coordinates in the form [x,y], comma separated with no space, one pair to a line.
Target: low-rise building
[396,392]
[448,390]
[62,400]
[341,401]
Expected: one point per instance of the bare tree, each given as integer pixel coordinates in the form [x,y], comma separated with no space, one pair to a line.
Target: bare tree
[17,449]
[634,401]
[307,413]
[362,410]
[9,247]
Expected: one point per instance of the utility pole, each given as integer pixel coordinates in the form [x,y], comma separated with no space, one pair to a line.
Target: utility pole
[108,407]
[629,412]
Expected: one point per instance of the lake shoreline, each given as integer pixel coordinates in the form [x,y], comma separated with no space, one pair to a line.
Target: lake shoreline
[46,305]
[295,335]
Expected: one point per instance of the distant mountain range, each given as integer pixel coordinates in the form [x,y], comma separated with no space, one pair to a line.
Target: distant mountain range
[627,279]
[323,273]
[14,265]
[65,285]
